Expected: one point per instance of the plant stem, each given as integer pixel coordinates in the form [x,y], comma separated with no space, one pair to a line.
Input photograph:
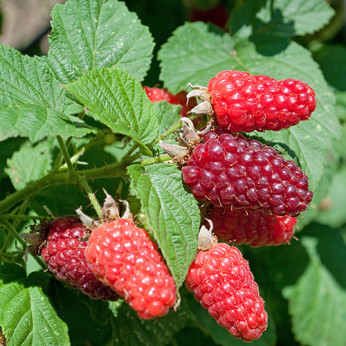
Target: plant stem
[157,159]
[20,217]
[15,235]
[51,179]
[66,156]
[91,195]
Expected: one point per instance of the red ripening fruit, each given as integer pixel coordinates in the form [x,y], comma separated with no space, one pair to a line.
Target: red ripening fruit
[244,103]
[251,227]
[124,258]
[157,95]
[221,280]
[231,171]
[64,253]
[217,15]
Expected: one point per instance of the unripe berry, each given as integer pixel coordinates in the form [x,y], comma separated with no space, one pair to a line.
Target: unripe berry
[124,258]
[221,280]
[244,103]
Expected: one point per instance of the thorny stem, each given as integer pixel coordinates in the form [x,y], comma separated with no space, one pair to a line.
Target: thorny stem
[83,182]
[66,156]
[20,217]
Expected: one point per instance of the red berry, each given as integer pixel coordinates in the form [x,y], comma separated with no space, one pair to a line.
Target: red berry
[64,253]
[217,15]
[222,282]
[126,259]
[251,227]
[157,95]
[229,170]
[244,103]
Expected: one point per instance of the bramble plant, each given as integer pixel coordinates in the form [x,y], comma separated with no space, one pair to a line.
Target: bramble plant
[163,133]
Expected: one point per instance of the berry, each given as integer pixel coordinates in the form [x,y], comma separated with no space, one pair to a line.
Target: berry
[157,95]
[229,170]
[217,15]
[244,103]
[251,227]
[64,253]
[123,257]
[221,280]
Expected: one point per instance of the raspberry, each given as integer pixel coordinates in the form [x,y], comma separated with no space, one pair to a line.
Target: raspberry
[244,103]
[251,227]
[229,170]
[157,95]
[64,253]
[124,257]
[222,282]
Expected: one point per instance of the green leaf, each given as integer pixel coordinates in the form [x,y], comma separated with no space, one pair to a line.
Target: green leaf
[7,148]
[194,54]
[317,294]
[220,335]
[27,316]
[312,140]
[30,163]
[37,122]
[88,34]
[88,320]
[282,17]
[172,213]
[129,330]
[334,213]
[31,101]
[119,101]
[331,59]
[167,114]
[27,80]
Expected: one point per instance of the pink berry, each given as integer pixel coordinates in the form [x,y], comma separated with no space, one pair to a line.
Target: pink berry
[124,258]
[251,227]
[229,170]
[244,103]
[158,94]
[221,280]
[64,252]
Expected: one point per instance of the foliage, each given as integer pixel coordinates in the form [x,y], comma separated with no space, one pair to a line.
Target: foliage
[78,120]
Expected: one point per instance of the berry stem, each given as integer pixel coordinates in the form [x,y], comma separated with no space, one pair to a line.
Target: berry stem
[160,158]
[91,195]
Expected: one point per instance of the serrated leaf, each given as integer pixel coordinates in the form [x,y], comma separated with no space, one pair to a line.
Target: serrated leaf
[220,335]
[167,114]
[31,101]
[194,54]
[312,140]
[129,330]
[282,17]
[119,101]
[30,163]
[88,34]
[172,213]
[37,122]
[317,294]
[27,317]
